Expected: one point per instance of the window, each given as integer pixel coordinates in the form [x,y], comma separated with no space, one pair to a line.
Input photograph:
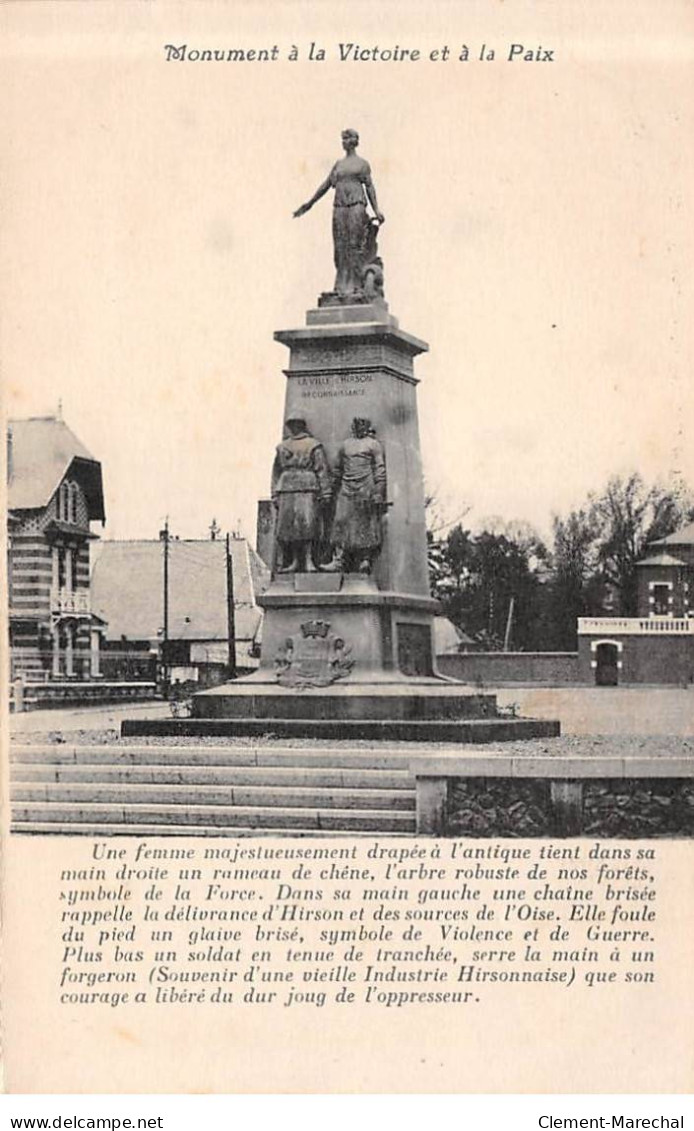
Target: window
[661,600]
[74,490]
[63,503]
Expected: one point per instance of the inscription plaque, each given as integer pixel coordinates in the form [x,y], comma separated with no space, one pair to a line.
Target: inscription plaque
[414,649]
[334,385]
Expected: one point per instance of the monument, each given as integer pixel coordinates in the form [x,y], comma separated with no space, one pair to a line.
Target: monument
[348,643]
[349,602]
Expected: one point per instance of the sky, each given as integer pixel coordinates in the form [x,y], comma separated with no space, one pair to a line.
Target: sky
[538,236]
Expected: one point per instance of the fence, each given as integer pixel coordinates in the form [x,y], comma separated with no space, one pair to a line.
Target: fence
[44,665]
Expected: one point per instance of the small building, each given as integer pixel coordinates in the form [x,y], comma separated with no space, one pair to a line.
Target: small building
[657,646]
[128,586]
[55,494]
[449,639]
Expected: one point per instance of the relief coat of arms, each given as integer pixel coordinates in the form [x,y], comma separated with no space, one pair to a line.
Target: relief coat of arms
[315,657]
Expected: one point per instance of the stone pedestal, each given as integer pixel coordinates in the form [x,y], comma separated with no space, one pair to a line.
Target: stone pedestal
[382,632]
[354,361]
[362,364]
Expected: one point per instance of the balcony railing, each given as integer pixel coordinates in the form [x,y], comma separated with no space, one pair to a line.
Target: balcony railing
[71,602]
[636,626]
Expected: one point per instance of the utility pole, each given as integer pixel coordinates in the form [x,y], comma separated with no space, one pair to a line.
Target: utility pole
[231,620]
[509,622]
[164,535]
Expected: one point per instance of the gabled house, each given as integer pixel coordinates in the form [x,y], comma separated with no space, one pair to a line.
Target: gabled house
[55,494]
[128,588]
[666,578]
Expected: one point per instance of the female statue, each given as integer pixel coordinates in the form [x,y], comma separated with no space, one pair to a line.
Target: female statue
[354,231]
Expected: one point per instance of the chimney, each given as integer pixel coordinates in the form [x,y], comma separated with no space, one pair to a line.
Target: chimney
[10,453]
[265,532]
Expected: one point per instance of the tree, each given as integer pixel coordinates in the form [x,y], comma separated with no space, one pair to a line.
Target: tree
[451,570]
[626,517]
[478,577]
[596,549]
[508,578]
[445,568]
[573,577]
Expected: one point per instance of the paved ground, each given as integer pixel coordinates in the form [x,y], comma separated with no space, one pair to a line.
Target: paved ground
[639,720]
[63,720]
[608,710]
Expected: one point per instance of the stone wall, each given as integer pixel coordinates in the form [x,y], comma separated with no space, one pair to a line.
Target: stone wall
[638,807]
[667,659]
[627,807]
[550,668]
[651,659]
[499,807]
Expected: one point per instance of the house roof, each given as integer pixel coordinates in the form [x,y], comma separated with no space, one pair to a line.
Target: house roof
[661,560]
[448,637]
[682,537]
[128,589]
[44,449]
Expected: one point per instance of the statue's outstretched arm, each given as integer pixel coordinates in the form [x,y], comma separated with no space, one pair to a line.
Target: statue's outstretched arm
[371,194]
[320,191]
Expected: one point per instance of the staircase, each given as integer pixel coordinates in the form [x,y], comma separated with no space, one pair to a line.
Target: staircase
[206,790]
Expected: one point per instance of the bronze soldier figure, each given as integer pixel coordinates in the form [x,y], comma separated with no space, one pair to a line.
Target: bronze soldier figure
[360,485]
[301,487]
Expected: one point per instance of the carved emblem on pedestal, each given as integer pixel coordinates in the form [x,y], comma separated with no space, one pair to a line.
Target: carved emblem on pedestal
[313,658]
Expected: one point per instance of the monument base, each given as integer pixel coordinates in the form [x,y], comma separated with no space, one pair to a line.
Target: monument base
[379,698]
[331,310]
[330,628]
[378,707]
[373,731]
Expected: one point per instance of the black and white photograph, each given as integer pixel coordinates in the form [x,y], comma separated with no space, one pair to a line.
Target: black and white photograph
[347,364]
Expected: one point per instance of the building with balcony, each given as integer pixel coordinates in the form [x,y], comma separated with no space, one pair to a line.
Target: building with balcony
[55,494]
[657,646]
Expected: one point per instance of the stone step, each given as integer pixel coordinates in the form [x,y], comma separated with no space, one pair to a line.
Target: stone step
[75,828]
[199,795]
[285,776]
[208,755]
[438,730]
[437,701]
[221,818]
